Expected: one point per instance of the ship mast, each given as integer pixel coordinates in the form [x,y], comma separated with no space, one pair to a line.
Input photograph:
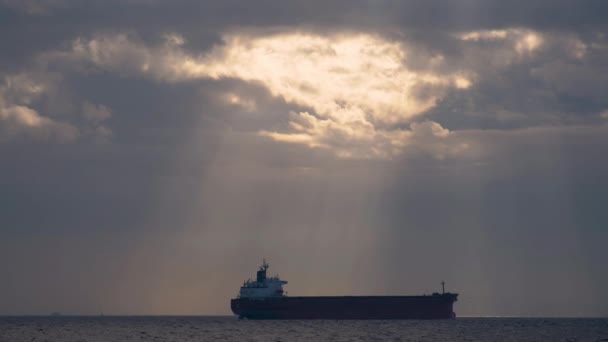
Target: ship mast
[443,287]
[264,266]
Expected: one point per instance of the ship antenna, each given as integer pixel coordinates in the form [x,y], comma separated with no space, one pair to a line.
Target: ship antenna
[443,287]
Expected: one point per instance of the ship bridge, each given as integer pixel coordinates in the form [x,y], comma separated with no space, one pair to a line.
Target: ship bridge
[262,286]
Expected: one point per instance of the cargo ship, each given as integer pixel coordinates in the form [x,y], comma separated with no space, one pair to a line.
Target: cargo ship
[264,298]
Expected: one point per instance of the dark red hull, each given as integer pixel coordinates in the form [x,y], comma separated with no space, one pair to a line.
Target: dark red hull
[437,306]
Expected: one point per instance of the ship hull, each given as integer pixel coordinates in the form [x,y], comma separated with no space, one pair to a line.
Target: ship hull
[355,307]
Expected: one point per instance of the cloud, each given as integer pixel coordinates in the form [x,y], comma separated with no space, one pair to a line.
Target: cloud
[35,105]
[126,55]
[96,113]
[243,102]
[523,78]
[356,86]
[18,120]
[356,94]
[522,40]
[361,140]
[34,7]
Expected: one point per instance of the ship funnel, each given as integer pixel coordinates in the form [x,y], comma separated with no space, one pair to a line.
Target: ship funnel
[261,276]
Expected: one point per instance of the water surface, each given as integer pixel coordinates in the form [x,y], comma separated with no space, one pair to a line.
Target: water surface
[205,328]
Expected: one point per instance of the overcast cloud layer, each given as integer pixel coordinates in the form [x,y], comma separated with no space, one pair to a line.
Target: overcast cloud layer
[152,152]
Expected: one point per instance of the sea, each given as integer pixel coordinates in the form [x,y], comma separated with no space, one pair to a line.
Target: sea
[205,328]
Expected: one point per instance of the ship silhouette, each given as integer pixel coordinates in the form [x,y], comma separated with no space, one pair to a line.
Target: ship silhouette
[264,298]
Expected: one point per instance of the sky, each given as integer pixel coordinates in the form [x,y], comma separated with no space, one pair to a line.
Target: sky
[153,152]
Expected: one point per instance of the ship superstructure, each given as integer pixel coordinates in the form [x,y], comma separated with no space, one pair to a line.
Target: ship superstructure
[264,298]
[262,286]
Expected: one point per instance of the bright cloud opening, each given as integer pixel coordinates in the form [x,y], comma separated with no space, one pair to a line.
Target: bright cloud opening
[357,88]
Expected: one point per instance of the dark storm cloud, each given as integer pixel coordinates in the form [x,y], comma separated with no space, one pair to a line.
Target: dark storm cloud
[119,186]
[542,14]
[26,31]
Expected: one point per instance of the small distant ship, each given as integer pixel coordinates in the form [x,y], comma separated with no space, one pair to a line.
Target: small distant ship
[264,298]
